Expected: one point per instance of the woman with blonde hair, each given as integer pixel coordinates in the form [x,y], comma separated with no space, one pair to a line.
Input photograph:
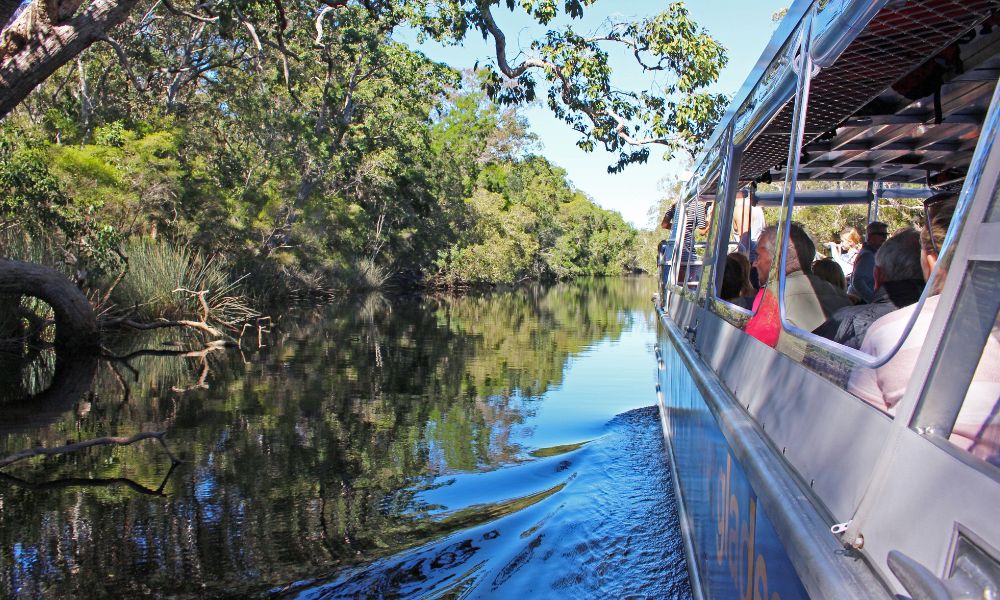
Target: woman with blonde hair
[845,251]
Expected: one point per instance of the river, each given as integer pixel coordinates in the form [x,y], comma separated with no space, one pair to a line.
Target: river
[488,445]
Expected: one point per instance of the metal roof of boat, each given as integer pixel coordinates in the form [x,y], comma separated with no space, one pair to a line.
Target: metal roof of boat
[862,48]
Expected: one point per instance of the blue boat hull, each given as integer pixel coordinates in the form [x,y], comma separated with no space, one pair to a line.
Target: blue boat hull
[733,548]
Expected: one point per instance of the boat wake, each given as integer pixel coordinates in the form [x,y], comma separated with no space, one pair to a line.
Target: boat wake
[580,520]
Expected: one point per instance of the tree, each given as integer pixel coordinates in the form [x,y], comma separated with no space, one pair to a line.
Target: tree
[345,144]
[46,35]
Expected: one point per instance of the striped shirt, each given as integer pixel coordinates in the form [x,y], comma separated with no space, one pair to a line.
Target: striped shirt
[697,217]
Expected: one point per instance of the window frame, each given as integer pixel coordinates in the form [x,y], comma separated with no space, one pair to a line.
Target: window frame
[676,236]
[815,345]
[725,203]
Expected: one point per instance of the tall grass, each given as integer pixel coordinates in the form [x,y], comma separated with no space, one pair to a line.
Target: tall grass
[161,277]
[369,276]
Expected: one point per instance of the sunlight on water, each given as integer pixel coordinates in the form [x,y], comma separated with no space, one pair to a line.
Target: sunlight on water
[495,445]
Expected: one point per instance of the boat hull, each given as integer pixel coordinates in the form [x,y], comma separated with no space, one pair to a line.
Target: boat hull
[733,549]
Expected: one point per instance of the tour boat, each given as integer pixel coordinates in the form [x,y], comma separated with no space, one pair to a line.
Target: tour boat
[789,483]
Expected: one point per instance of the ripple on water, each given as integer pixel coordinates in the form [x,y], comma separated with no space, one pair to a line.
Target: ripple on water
[582,520]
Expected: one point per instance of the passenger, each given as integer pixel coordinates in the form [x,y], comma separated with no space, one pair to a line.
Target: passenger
[748,223]
[899,281]
[736,279]
[846,250]
[696,221]
[975,429]
[697,218]
[863,274]
[831,271]
[809,301]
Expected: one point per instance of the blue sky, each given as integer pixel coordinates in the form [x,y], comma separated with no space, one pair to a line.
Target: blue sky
[743,27]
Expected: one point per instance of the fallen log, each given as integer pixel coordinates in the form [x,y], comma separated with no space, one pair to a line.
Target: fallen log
[76,323]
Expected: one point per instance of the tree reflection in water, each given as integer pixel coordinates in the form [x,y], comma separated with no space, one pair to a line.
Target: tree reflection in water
[299,457]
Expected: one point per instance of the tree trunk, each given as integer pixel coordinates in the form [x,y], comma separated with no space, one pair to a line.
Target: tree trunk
[76,323]
[47,35]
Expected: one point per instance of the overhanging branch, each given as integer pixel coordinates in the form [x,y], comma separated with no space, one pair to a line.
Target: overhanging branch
[594,115]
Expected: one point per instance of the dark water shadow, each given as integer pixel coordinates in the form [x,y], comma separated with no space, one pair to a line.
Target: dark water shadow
[72,379]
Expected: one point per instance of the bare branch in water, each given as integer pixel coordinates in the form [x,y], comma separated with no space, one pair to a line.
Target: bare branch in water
[103,441]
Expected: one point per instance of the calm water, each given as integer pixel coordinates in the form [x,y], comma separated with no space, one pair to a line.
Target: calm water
[461,447]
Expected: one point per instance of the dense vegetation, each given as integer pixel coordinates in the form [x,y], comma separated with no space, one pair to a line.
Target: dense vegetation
[430,186]
[303,150]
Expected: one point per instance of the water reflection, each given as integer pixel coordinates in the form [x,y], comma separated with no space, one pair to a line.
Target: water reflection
[360,433]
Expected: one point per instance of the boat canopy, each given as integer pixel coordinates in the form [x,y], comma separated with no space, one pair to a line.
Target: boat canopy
[879,110]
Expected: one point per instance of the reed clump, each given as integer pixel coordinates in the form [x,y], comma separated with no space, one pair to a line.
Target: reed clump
[162,280]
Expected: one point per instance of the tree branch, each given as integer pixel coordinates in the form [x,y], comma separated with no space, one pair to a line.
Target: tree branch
[123,59]
[566,93]
[103,441]
[170,6]
[31,49]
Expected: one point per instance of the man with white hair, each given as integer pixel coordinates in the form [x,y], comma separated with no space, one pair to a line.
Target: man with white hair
[899,281]
[809,300]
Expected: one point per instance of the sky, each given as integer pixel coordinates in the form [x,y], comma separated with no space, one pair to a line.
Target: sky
[743,27]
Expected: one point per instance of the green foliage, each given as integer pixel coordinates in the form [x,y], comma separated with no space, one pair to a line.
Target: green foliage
[677,113]
[317,164]
[526,222]
[33,201]
[161,277]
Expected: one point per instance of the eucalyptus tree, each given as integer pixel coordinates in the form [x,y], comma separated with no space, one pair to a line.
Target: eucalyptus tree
[44,35]
[326,66]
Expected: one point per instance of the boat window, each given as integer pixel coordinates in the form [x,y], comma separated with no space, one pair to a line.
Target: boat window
[735,279]
[962,399]
[739,224]
[915,138]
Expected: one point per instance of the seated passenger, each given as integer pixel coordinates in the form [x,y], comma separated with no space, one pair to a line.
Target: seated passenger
[830,271]
[736,279]
[809,301]
[899,281]
[863,276]
[975,429]
[846,250]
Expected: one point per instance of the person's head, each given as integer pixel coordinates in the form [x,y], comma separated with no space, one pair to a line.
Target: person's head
[800,245]
[736,277]
[876,233]
[850,238]
[765,252]
[939,210]
[829,270]
[732,281]
[899,258]
[802,250]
